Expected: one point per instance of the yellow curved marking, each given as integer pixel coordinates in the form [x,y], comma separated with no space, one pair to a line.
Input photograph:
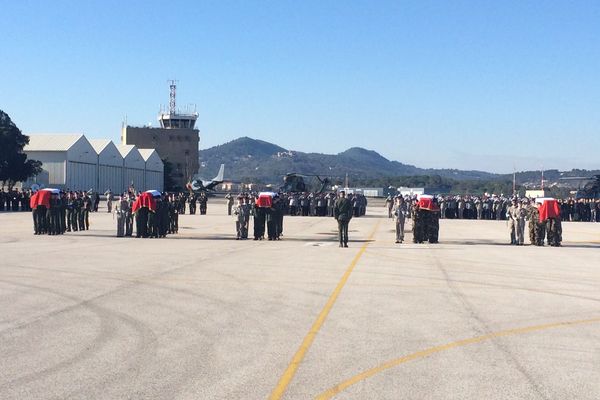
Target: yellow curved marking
[289,373]
[437,349]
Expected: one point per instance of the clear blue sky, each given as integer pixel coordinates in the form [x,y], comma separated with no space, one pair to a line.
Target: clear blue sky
[462,84]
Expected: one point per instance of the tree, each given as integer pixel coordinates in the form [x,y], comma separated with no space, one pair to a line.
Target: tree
[168,181]
[14,165]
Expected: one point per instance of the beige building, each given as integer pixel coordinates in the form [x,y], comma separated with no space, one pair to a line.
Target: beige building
[178,146]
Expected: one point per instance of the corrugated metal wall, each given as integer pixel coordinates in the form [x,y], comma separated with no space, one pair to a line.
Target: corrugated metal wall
[80,176]
[54,163]
[110,177]
[154,180]
[56,172]
[134,175]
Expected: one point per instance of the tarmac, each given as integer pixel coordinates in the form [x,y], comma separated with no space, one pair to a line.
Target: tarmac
[199,315]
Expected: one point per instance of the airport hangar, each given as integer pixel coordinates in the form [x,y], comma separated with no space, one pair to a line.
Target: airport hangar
[71,161]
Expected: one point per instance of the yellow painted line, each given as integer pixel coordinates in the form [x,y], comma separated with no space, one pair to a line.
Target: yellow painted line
[289,373]
[328,394]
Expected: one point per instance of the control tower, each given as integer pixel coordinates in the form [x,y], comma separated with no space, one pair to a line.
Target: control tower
[175,119]
[176,141]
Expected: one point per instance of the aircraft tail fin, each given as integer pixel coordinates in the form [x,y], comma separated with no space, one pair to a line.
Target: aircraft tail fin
[219,176]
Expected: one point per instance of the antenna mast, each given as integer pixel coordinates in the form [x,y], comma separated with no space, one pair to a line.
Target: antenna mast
[172,95]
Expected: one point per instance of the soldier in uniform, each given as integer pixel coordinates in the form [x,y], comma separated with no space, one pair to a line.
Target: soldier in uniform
[343,214]
[443,203]
[540,228]
[153,222]
[418,221]
[511,214]
[173,214]
[203,203]
[141,222]
[84,216]
[54,215]
[63,212]
[77,205]
[33,204]
[518,215]
[399,213]
[554,230]
[260,215]
[461,207]
[241,215]
[433,225]
[389,204]
[162,213]
[129,215]
[121,207]
[533,217]
[96,199]
[109,200]
[69,211]
[192,202]
[229,198]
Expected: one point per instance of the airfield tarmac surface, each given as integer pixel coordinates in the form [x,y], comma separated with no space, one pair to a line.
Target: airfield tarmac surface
[199,315]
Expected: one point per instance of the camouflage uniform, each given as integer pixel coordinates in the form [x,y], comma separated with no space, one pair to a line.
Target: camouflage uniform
[433,226]
[419,222]
[533,216]
[554,229]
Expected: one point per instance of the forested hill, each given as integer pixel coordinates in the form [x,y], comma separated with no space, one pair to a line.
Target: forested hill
[252,160]
[248,159]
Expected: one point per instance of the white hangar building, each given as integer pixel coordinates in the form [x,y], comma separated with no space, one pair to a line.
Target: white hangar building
[69,161]
[154,169]
[133,166]
[73,162]
[110,166]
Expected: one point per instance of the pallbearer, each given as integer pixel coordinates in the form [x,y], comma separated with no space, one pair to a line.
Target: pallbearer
[550,215]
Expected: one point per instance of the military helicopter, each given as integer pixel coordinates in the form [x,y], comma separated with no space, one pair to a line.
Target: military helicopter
[294,183]
[591,190]
[199,185]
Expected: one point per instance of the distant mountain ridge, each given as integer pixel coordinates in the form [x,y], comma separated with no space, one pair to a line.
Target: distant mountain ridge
[248,159]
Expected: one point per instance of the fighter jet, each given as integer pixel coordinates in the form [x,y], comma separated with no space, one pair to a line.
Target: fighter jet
[199,185]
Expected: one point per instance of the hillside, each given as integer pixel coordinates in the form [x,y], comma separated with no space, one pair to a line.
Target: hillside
[252,160]
[249,159]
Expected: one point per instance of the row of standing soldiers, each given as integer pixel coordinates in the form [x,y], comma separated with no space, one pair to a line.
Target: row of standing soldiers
[193,202]
[309,204]
[15,200]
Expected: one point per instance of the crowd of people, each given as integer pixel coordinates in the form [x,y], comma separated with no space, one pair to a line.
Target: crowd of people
[57,212]
[309,204]
[15,200]
[20,200]
[543,217]
[495,207]
[267,209]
